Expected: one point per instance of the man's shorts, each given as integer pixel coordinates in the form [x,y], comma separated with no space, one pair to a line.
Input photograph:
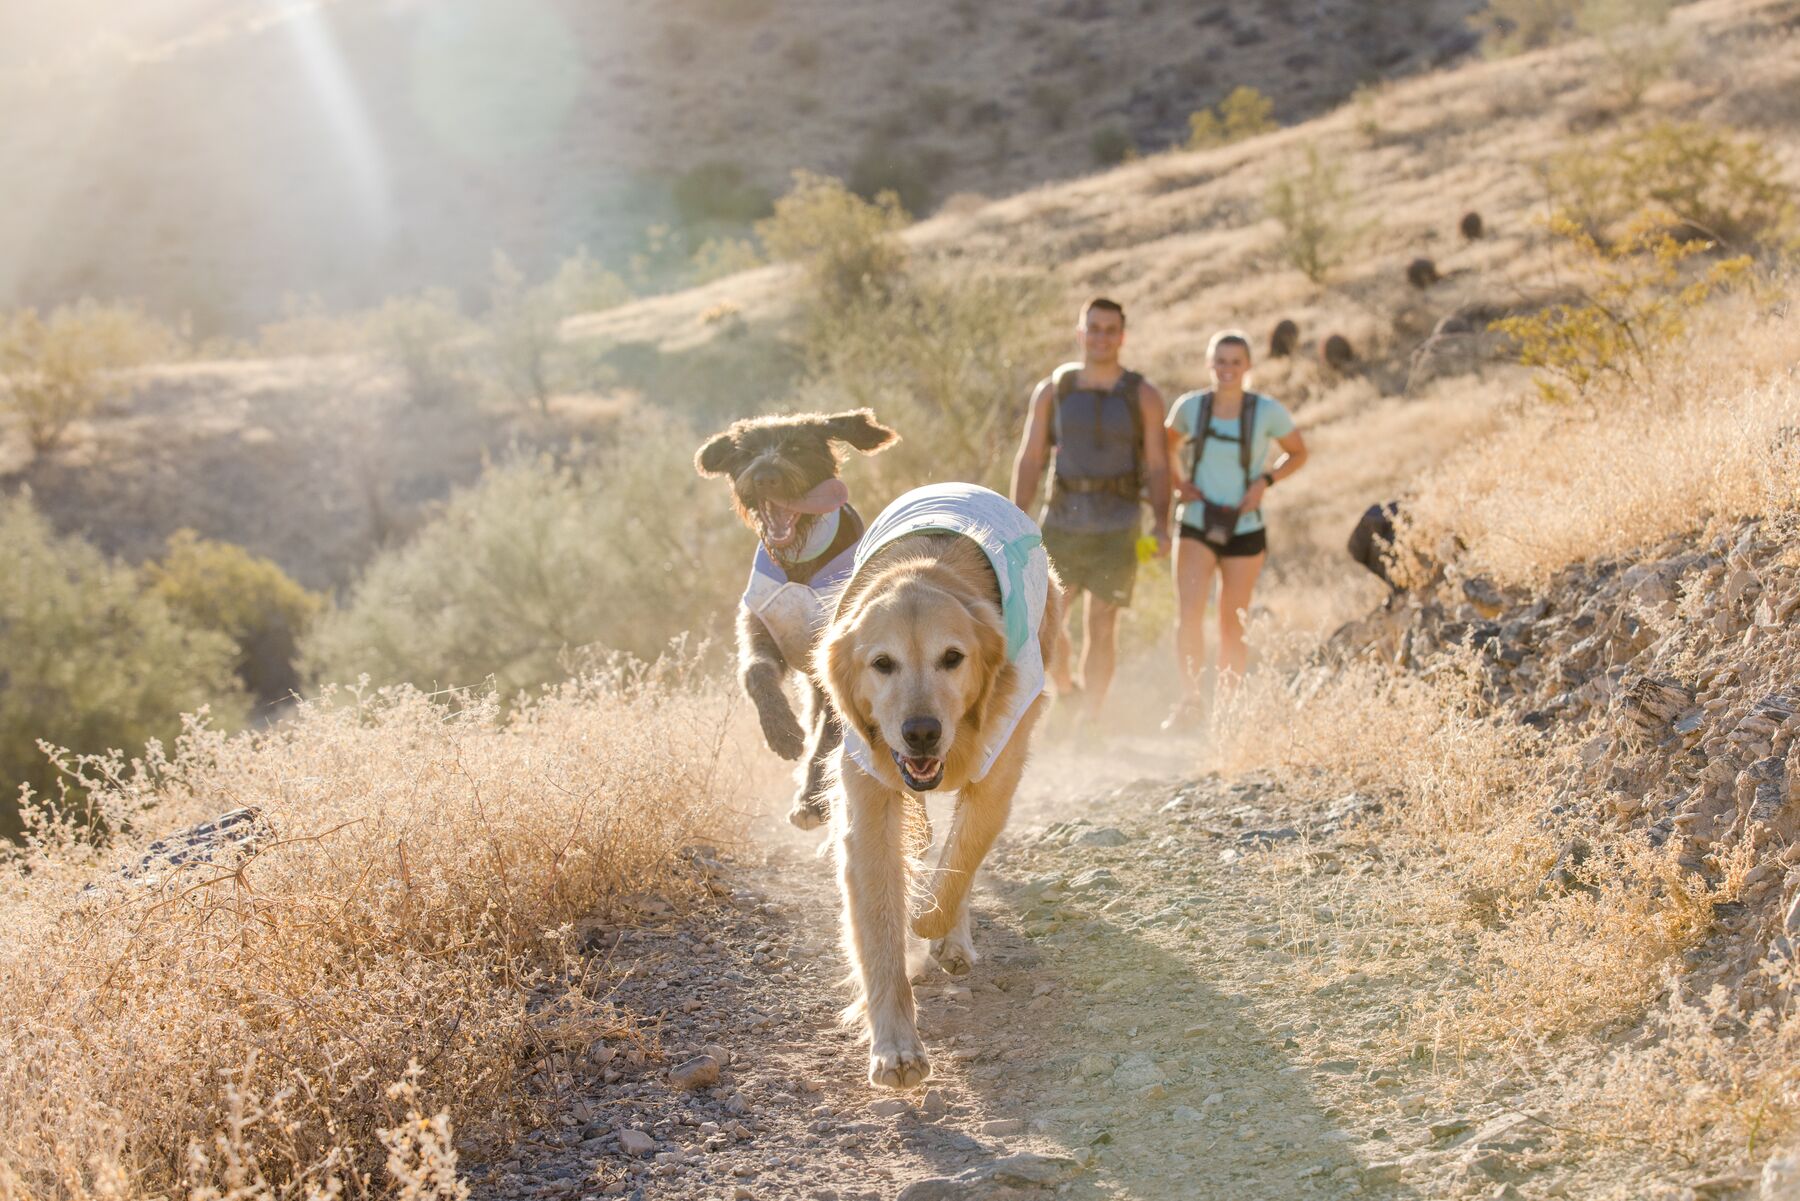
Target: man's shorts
[1102,564]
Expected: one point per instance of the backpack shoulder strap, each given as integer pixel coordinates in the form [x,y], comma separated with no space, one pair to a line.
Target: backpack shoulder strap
[1197,440]
[1129,388]
[1063,381]
[1246,435]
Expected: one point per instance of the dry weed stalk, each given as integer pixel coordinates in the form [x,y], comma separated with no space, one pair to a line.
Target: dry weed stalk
[234,1028]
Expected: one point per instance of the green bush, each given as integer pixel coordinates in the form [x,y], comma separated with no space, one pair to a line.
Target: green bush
[719,193]
[58,369]
[221,587]
[846,243]
[948,361]
[1637,296]
[538,562]
[307,327]
[910,173]
[426,337]
[1312,205]
[1690,178]
[1110,145]
[89,659]
[525,323]
[1514,26]
[1053,101]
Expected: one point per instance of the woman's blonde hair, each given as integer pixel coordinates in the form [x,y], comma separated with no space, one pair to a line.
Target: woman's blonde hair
[1228,337]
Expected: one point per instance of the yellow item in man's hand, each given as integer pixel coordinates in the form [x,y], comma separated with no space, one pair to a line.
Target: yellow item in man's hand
[1146,548]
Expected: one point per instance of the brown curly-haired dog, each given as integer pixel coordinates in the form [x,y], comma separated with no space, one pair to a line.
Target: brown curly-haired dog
[785,487]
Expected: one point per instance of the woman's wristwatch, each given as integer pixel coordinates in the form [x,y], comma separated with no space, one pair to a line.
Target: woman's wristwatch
[1268,479]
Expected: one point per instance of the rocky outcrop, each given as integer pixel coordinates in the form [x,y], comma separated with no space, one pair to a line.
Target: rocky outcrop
[1679,673]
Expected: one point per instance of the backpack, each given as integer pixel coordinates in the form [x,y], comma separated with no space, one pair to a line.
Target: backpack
[1065,378]
[1203,427]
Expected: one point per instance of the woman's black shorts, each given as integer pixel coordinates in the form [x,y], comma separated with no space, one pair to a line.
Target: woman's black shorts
[1241,546]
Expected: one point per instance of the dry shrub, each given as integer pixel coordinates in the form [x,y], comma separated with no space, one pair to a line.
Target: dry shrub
[946,360]
[1554,961]
[58,369]
[425,337]
[846,243]
[1709,439]
[717,258]
[1637,296]
[538,562]
[1312,202]
[1687,177]
[1514,26]
[1709,1077]
[525,322]
[307,327]
[231,1028]
[1245,113]
[1423,741]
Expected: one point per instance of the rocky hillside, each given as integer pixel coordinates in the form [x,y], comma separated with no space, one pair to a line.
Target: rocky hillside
[213,158]
[1678,671]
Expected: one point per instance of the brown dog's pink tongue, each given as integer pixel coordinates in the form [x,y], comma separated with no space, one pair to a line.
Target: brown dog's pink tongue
[828,497]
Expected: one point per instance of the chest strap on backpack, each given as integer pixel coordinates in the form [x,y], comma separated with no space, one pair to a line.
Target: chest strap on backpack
[1203,427]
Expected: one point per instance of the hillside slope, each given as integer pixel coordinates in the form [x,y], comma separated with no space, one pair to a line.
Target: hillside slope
[225,157]
[1181,238]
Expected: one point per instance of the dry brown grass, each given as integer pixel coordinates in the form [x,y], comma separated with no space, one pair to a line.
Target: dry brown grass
[1708,441]
[1581,980]
[220,1030]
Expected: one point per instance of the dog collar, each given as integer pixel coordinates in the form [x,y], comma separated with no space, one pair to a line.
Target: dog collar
[824,530]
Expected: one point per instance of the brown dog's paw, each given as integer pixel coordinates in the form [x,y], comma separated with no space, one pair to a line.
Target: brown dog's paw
[893,1065]
[783,733]
[809,814]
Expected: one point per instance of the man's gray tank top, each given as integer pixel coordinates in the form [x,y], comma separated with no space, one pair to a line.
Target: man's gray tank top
[1094,434]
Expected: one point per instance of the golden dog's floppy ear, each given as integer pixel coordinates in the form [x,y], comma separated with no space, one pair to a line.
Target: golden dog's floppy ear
[990,636]
[715,457]
[859,428]
[834,667]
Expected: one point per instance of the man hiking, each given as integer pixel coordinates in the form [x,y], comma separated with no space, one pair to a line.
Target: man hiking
[1104,423]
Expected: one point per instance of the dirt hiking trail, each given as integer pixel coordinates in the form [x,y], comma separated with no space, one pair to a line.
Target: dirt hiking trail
[1189,987]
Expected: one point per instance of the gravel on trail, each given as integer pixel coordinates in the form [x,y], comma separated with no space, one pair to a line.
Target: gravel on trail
[1188,987]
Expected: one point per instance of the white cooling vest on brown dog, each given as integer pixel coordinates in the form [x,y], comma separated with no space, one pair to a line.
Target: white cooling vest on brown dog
[793,612]
[1015,548]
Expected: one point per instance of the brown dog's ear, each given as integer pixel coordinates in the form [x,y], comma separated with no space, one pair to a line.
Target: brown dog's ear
[859,428]
[715,457]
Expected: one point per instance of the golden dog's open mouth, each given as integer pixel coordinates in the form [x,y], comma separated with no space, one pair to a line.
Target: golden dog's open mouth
[922,773]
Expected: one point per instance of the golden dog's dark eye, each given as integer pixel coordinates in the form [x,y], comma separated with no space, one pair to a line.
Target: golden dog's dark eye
[883,664]
[953,658]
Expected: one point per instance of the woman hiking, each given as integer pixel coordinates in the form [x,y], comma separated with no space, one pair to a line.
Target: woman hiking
[1220,442]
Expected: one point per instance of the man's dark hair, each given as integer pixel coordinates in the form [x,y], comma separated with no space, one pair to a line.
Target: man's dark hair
[1101,302]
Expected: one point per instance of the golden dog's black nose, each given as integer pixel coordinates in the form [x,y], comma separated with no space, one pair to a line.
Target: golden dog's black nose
[921,734]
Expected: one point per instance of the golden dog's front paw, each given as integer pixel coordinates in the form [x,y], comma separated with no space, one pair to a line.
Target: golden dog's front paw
[954,955]
[897,1064]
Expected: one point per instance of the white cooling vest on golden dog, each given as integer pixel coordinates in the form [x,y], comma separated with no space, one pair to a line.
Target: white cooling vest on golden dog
[1015,549]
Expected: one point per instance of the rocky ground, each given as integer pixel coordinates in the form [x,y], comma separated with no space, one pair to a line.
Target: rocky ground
[1190,987]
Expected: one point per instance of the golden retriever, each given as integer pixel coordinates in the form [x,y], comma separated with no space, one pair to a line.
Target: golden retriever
[916,664]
